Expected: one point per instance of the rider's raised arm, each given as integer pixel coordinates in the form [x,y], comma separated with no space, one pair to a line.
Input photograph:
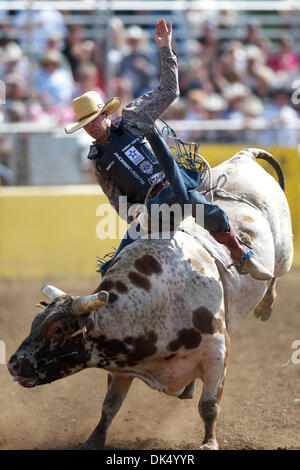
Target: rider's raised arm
[153,103]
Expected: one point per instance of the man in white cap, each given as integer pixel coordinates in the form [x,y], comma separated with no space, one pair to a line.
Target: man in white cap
[126,165]
[13,61]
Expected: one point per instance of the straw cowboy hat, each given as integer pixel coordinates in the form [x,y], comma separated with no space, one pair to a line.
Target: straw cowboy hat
[235,90]
[52,56]
[253,106]
[214,103]
[88,106]
[12,53]
[137,33]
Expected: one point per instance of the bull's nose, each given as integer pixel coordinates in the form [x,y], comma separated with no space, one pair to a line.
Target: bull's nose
[14,368]
[20,368]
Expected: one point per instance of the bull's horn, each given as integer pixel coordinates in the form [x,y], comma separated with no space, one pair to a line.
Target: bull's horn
[52,292]
[82,305]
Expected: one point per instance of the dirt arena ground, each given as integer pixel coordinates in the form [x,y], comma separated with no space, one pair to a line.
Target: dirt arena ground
[260,405]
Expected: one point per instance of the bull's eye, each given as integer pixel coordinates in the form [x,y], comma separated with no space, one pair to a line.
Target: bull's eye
[56,331]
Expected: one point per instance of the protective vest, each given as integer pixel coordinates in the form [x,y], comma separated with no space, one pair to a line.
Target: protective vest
[129,162]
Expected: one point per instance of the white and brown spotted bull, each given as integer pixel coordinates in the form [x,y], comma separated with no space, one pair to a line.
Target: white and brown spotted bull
[171,305]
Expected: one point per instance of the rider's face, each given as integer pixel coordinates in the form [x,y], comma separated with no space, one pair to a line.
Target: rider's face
[99,127]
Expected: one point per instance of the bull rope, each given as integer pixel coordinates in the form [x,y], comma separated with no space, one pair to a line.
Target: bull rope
[223,194]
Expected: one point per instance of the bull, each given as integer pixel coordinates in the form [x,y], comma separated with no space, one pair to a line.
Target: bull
[166,308]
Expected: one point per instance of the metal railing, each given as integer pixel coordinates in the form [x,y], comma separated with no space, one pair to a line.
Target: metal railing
[44,155]
[177,125]
[150,5]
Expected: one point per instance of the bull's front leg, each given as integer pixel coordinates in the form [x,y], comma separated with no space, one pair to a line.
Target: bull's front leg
[209,405]
[118,387]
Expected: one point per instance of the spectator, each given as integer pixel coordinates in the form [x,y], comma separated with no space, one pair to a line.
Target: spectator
[196,77]
[16,112]
[77,49]
[214,106]
[118,48]
[194,112]
[230,67]
[285,60]
[209,41]
[192,71]
[235,95]
[99,58]
[15,87]
[227,18]
[253,109]
[54,82]
[18,92]
[264,80]
[139,65]
[265,46]
[195,109]
[44,23]
[118,45]
[283,117]
[55,41]
[54,87]
[253,34]
[14,61]
[87,80]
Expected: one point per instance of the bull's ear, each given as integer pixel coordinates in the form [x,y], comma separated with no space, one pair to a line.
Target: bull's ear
[88,323]
[42,304]
[52,292]
[82,305]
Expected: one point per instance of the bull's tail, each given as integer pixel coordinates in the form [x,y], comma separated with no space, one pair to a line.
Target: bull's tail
[264,155]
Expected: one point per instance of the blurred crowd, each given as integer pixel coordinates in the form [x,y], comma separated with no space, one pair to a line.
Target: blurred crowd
[249,81]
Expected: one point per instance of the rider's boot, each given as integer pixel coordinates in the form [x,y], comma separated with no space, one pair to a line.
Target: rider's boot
[243,260]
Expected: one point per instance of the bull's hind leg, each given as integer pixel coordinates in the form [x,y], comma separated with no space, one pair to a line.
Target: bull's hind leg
[264,308]
[117,390]
[209,404]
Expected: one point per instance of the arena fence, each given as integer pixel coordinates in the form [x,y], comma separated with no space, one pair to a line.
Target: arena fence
[52,231]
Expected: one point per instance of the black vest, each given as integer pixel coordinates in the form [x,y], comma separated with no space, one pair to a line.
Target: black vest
[129,162]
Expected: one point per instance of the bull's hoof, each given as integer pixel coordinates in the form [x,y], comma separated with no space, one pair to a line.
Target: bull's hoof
[264,309]
[210,445]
